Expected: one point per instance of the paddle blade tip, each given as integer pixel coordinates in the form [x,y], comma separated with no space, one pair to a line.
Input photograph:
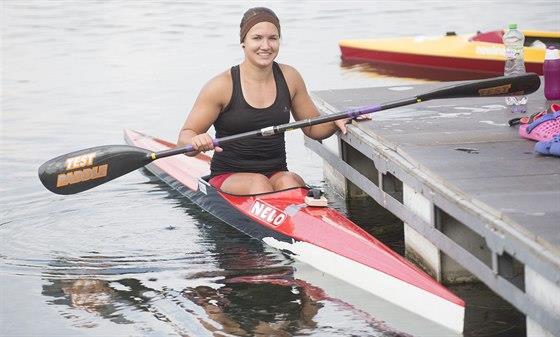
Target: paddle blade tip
[85,169]
[530,83]
[516,85]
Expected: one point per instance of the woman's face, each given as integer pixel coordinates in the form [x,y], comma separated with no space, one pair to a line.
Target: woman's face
[262,43]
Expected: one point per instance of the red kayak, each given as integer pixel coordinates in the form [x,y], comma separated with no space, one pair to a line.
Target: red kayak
[319,236]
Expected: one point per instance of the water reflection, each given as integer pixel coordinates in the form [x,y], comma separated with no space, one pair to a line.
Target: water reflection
[256,305]
[91,295]
[380,69]
[263,304]
[242,288]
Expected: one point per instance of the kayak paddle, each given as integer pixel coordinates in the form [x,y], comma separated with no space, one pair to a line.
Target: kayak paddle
[81,170]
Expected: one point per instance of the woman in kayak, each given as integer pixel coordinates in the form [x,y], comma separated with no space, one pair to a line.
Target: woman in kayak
[252,95]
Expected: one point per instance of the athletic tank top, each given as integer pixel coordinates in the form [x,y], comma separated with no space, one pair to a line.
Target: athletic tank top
[257,154]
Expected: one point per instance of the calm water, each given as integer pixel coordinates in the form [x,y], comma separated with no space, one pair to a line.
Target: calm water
[132,257]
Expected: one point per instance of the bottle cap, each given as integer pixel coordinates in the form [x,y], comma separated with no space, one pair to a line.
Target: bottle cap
[512,26]
[552,54]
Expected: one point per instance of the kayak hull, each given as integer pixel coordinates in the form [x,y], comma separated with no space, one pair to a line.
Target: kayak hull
[318,236]
[484,66]
[456,52]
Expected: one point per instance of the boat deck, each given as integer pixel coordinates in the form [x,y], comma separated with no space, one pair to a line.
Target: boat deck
[462,179]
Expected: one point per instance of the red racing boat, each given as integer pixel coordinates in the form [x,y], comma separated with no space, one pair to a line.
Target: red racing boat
[318,236]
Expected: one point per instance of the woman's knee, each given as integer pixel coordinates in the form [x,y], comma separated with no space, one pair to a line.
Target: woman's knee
[260,184]
[247,183]
[286,180]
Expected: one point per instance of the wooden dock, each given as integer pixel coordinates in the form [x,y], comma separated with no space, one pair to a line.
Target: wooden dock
[476,201]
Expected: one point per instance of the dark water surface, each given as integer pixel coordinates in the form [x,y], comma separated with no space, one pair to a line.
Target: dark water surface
[132,257]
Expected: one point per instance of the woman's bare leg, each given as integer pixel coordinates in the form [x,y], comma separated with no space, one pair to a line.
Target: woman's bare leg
[247,183]
[284,180]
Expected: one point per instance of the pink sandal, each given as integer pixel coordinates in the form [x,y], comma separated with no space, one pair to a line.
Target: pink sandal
[543,128]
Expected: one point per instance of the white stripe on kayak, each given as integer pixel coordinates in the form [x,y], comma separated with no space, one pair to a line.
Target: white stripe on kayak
[403,294]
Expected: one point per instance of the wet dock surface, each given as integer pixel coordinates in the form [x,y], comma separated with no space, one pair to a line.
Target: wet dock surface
[468,145]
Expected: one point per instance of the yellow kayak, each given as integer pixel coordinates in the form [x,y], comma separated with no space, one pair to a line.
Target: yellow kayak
[478,53]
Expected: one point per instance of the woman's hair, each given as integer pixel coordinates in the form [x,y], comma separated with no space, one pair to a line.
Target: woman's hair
[255,15]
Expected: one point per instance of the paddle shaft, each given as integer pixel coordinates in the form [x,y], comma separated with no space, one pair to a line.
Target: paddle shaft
[498,86]
[273,130]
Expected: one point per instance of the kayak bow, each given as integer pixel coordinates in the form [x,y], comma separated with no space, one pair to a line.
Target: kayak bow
[318,236]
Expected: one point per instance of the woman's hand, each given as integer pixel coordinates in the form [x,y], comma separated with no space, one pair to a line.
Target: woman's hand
[341,123]
[202,143]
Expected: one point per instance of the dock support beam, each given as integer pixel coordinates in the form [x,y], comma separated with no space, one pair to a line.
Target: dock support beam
[417,247]
[546,295]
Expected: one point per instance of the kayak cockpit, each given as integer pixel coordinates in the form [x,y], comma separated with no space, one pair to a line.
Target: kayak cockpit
[533,38]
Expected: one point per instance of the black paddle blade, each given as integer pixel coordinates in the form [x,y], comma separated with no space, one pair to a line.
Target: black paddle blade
[81,170]
[498,86]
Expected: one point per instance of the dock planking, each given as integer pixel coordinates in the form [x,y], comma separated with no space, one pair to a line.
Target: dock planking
[467,145]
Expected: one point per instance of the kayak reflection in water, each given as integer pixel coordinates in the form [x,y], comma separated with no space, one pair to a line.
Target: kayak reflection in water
[255,94]
[273,305]
[267,305]
[243,291]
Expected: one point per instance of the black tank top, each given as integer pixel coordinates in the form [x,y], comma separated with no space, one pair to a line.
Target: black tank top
[257,154]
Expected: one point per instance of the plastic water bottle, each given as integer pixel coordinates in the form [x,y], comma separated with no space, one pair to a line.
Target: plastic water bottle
[515,64]
[551,70]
